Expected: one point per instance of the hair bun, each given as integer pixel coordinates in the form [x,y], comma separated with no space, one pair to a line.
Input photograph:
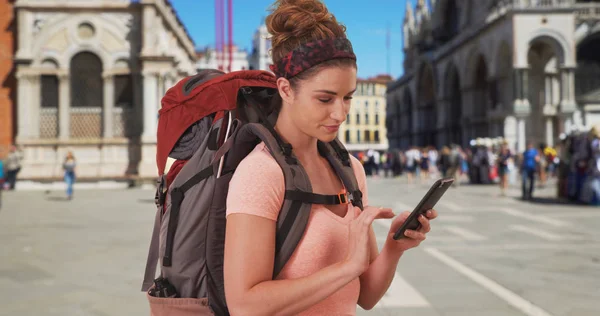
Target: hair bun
[293,22]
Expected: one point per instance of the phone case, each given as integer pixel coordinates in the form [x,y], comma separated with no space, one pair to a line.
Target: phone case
[428,201]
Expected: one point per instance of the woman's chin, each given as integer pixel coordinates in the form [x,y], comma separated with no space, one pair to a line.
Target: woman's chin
[326,138]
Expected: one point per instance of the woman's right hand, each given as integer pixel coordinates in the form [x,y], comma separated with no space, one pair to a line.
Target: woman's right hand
[358,238]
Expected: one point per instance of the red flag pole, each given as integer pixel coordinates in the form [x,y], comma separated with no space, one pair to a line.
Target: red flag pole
[230,28]
[218,32]
[222,28]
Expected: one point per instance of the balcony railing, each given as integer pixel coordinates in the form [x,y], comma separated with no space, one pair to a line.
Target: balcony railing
[583,11]
[587,11]
[536,4]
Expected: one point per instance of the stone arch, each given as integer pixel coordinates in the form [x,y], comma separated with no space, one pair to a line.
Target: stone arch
[107,61]
[426,85]
[556,41]
[122,63]
[426,105]
[546,52]
[502,84]
[454,104]
[480,96]
[50,63]
[470,62]
[406,123]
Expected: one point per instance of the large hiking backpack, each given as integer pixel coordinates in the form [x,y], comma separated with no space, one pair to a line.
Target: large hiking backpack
[207,124]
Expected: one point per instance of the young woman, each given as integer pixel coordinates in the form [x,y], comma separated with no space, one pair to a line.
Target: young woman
[504,160]
[337,263]
[69,168]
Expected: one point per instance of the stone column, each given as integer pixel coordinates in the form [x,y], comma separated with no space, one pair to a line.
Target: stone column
[521,136]
[567,83]
[555,89]
[521,102]
[35,105]
[24,106]
[109,104]
[150,107]
[511,132]
[25,21]
[64,105]
[549,131]
[548,90]
[149,33]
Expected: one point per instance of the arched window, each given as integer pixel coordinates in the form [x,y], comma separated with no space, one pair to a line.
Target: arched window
[87,95]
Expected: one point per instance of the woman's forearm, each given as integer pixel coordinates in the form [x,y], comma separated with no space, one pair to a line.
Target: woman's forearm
[378,278]
[292,296]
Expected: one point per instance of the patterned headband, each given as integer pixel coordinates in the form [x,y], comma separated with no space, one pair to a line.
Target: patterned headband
[311,54]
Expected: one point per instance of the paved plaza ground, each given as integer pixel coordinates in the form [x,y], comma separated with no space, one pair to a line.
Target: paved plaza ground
[486,255]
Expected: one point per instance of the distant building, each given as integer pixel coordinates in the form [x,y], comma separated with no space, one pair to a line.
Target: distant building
[260,57]
[365,124]
[209,59]
[90,78]
[522,70]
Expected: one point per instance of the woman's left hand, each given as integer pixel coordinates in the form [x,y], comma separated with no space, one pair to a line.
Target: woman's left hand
[412,238]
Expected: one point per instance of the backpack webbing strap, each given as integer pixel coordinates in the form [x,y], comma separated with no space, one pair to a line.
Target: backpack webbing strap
[152,260]
[339,159]
[286,148]
[177,195]
[314,198]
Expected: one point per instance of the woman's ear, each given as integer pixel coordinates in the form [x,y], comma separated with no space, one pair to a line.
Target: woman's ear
[285,90]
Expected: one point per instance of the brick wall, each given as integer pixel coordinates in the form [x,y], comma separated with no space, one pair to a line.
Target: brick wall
[7,76]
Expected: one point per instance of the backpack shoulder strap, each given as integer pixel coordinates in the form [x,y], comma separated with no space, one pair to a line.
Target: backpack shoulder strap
[294,213]
[339,159]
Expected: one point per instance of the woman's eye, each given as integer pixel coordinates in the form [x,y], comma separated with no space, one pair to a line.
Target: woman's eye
[325,100]
[348,98]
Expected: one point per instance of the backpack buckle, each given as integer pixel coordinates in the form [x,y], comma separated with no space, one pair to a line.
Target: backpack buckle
[161,192]
[343,198]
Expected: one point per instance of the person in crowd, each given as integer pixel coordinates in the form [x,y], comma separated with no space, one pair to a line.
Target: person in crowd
[531,158]
[69,168]
[12,166]
[504,160]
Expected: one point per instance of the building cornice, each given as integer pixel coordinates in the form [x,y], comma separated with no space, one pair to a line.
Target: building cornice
[163,7]
[71,5]
[167,12]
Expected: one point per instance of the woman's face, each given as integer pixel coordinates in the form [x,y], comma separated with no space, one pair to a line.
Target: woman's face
[319,105]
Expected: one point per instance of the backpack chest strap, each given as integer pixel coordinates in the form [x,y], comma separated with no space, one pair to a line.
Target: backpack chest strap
[314,198]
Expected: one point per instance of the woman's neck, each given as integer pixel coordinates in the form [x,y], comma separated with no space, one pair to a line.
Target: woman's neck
[304,146]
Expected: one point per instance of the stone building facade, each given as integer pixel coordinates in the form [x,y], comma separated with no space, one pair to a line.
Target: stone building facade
[90,77]
[526,70]
[364,127]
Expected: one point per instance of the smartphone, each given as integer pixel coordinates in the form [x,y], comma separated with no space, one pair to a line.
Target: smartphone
[428,201]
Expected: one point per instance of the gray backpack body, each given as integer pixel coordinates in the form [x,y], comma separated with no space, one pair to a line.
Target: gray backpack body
[189,232]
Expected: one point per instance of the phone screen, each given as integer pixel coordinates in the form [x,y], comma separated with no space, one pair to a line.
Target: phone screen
[428,201]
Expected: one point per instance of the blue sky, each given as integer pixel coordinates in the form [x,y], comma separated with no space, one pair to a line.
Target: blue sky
[366,23]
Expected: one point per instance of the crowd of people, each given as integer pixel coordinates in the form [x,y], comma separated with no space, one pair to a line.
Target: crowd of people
[486,161]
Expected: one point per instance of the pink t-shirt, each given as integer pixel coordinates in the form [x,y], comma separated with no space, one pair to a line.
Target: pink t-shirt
[259,188]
